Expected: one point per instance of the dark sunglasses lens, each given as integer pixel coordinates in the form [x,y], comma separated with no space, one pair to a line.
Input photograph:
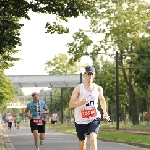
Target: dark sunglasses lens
[90,73]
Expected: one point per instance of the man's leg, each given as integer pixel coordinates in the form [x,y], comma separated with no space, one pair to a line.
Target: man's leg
[82,144]
[81,134]
[17,125]
[35,134]
[93,130]
[42,133]
[42,136]
[34,130]
[93,141]
[55,124]
[10,125]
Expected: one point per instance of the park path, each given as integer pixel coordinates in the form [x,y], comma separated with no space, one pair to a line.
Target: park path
[22,139]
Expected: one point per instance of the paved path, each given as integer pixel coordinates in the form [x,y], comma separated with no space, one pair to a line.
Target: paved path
[22,139]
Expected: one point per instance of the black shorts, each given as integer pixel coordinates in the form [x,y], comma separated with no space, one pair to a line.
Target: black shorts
[85,129]
[9,124]
[40,128]
[53,122]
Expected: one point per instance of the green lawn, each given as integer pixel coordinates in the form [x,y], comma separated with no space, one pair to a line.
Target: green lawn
[127,137]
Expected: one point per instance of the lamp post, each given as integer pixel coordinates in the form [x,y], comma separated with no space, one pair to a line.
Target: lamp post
[51,103]
[51,99]
[117,92]
[81,77]
[62,105]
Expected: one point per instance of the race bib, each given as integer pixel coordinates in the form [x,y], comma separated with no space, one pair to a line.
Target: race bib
[88,113]
[38,121]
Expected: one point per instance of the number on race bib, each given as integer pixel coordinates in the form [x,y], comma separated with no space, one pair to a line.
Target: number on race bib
[38,121]
[88,113]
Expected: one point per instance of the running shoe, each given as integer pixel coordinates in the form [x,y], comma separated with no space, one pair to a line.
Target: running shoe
[41,142]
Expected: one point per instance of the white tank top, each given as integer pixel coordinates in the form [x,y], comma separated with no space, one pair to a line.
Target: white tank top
[89,111]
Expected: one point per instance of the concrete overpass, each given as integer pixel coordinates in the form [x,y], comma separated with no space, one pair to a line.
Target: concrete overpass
[52,81]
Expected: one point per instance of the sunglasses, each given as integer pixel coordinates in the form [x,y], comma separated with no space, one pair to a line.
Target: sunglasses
[34,94]
[90,73]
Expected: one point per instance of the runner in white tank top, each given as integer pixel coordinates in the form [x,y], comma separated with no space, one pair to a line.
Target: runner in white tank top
[84,100]
[89,111]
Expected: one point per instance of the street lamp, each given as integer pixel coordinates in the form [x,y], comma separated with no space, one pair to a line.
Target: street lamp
[51,99]
[51,102]
[117,92]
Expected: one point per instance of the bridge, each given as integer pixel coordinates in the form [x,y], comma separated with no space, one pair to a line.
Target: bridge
[17,104]
[51,81]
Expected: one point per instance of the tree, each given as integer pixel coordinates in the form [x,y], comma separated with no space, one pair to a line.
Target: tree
[60,65]
[11,12]
[9,34]
[105,77]
[142,72]
[122,23]
[6,90]
[18,92]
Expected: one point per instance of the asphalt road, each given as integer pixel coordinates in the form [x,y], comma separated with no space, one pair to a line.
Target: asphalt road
[22,139]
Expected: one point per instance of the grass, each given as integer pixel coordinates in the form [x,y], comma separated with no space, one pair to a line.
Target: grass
[141,126]
[127,137]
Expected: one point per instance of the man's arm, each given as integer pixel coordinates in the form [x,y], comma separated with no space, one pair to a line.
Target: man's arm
[46,110]
[73,103]
[26,113]
[103,102]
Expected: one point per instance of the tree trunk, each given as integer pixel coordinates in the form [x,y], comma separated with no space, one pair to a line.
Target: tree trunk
[148,111]
[133,106]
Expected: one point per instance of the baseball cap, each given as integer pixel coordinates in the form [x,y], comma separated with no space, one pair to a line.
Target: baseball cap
[89,69]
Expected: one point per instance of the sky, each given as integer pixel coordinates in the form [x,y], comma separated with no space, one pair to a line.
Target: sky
[39,47]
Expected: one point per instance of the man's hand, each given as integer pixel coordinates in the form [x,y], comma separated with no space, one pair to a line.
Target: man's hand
[83,101]
[45,112]
[30,117]
[106,118]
